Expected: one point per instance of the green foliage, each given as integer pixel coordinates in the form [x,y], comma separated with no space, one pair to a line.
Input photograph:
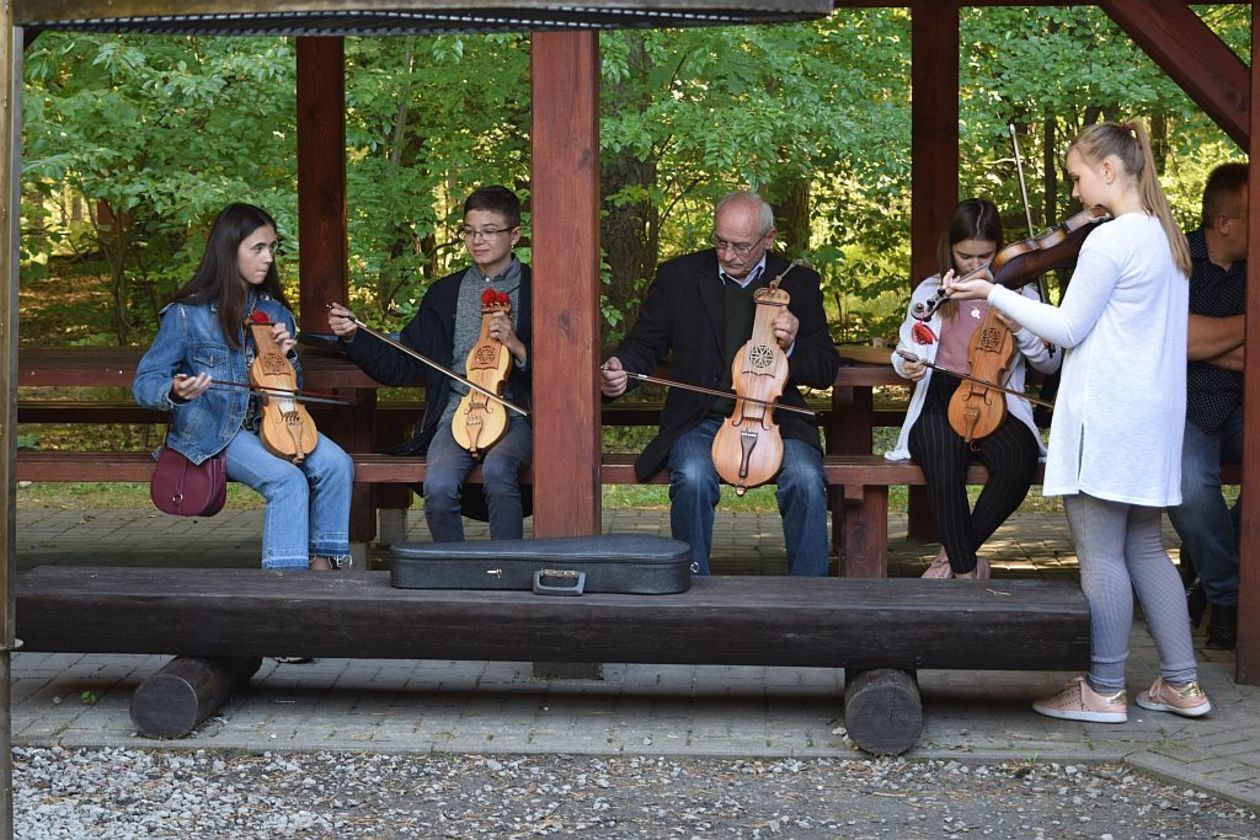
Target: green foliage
[133,143]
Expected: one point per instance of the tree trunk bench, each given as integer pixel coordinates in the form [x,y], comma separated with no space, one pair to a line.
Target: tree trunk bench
[885,628]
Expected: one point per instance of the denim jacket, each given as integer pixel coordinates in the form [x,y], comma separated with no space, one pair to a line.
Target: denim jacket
[191,341]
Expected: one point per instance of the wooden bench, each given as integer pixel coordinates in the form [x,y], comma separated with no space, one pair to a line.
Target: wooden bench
[861,480]
[877,629]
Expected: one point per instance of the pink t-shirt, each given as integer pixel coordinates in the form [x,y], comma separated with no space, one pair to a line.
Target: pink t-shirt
[956,335]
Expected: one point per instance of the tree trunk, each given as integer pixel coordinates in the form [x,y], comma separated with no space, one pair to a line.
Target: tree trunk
[790,199]
[631,227]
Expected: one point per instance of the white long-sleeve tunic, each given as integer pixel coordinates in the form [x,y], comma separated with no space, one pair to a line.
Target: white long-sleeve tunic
[1121,406]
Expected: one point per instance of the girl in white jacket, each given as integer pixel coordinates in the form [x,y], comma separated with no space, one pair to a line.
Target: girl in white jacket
[1011,451]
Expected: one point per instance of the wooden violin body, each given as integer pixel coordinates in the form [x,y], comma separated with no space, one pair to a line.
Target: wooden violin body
[976,410]
[480,422]
[748,448]
[285,427]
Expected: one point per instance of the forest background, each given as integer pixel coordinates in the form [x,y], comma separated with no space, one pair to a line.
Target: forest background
[132,144]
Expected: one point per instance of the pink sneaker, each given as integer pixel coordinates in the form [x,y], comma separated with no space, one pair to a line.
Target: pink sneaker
[1187,701]
[1080,702]
[939,569]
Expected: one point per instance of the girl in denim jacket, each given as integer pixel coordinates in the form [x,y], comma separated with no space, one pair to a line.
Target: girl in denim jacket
[202,339]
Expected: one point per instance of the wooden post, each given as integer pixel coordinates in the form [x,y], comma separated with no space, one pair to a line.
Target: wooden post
[933,165]
[564,196]
[321,147]
[1248,650]
[10,178]
[565,200]
[324,249]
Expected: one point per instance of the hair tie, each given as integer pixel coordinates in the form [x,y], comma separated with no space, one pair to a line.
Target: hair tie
[1130,128]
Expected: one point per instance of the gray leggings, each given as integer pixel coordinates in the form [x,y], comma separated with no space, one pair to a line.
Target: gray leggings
[1120,549]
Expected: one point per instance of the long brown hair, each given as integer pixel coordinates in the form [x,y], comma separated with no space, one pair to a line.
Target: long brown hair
[974,218]
[218,279]
[1130,144]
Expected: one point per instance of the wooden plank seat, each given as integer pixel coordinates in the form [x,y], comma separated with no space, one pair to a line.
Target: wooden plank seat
[391,413]
[861,625]
[860,481]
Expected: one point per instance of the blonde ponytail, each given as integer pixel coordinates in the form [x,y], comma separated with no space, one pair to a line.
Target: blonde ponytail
[1131,145]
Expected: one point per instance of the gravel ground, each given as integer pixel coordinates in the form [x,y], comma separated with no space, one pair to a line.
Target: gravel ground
[117,793]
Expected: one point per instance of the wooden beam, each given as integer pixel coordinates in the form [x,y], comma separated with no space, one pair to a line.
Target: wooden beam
[565,199]
[934,128]
[321,144]
[1193,56]
[724,620]
[11,41]
[1248,651]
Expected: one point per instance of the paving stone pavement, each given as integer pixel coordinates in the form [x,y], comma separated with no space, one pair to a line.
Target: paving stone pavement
[494,707]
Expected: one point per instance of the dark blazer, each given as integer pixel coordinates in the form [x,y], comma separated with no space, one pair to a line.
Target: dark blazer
[684,315]
[432,333]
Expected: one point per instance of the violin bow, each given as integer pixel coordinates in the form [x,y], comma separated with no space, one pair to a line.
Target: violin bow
[420,357]
[1042,288]
[700,389]
[910,357]
[285,393]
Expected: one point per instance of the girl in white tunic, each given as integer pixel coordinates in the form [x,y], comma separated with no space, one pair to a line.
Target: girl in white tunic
[1115,439]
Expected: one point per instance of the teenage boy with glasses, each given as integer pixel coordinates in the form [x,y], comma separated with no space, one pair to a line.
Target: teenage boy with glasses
[700,311]
[445,329]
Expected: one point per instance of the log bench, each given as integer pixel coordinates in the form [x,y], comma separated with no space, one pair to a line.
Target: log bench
[221,621]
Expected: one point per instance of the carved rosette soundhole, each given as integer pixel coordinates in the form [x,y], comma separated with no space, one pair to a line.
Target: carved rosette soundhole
[274,364]
[486,355]
[990,339]
[761,357]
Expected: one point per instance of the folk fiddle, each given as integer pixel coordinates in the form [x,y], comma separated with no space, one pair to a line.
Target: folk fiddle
[286,427]
[1020,263]
[479,423]
[748,448]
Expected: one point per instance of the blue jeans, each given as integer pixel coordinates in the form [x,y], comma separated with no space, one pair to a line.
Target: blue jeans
[308,504]
[1207,526]
[802,496]
[447,464]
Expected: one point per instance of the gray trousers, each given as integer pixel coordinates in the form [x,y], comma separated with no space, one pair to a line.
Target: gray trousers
[1120,550]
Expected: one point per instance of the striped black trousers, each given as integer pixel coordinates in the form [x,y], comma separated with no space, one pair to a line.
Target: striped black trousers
[1010,454]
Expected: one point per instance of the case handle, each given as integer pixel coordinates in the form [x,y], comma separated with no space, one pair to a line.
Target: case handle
[571,582]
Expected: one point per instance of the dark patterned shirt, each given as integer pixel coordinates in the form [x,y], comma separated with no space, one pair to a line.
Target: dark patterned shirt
[1213,393]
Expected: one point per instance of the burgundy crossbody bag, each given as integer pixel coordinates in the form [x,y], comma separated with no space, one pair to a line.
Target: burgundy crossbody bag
[181,488]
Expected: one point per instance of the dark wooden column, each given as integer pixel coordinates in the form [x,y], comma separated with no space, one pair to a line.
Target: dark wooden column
[323,246]
[565,202]
[1248,653]
[321,146]
[10,180]
[934,164]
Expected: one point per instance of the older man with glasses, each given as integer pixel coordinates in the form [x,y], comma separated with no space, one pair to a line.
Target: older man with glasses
[699,311]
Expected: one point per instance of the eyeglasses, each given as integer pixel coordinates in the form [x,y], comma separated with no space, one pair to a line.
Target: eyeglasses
[741,248]
[484,234]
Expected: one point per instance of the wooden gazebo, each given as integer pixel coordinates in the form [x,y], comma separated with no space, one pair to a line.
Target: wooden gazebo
[566,191]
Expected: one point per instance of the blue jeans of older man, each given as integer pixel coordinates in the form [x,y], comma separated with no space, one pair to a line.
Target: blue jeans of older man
[308,504]
[1207,525]
[694,491]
